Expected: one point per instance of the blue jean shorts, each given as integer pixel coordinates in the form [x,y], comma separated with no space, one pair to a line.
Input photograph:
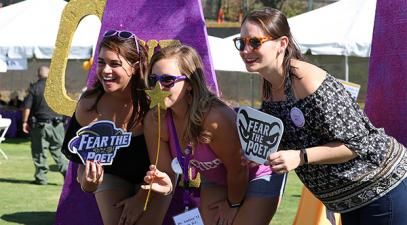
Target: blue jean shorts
[267,186]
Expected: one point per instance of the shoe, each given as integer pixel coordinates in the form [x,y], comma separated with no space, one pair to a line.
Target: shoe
[37,182]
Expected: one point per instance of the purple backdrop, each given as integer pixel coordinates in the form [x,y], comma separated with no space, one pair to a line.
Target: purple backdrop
[149,19]
[161,20]
[386,101]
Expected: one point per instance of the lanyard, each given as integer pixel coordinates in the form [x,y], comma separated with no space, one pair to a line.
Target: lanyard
[183,160]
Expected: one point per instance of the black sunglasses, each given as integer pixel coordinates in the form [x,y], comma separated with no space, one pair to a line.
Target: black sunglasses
[166,80]
[254,42]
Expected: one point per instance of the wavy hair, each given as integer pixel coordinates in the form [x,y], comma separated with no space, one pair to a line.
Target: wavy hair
[138,59]
[274,23]
[190,64]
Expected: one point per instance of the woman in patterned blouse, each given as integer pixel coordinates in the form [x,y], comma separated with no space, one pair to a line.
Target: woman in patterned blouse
[353,167]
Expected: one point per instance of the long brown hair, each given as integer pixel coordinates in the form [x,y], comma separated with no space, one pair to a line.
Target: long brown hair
[274,23]
[135,56]
[202,99]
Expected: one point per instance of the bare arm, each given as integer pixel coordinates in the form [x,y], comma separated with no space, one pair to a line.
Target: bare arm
[225,143]
[25,125]
[331,153]
[158,203]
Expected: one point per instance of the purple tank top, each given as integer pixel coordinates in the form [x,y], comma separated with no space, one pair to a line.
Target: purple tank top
[205,161]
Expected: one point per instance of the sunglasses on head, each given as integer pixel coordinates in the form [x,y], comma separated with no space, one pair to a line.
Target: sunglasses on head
[123,34]
[165,80]
[254,42]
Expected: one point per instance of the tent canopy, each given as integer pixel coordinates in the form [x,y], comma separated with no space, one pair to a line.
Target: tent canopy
[29,29]
[341,28]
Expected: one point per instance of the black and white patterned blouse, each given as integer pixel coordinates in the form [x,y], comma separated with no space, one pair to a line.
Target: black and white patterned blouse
[331,114]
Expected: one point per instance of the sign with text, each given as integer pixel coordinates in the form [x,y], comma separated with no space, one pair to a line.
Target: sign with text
[99,141]
[352,88]
[259,133]
[191,217]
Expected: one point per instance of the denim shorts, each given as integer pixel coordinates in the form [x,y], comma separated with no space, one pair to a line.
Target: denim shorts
[387,210]
[267,186]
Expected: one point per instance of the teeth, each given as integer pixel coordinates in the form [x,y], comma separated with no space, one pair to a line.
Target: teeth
[108,78]
[250,60]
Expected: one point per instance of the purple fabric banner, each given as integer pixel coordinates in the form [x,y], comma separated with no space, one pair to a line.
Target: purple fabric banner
[386,101]
[150,20]
[76,206]
[161,20]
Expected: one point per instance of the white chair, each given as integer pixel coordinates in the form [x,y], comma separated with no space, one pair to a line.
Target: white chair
[4,125]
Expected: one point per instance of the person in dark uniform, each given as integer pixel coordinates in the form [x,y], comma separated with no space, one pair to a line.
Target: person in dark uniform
[45,127]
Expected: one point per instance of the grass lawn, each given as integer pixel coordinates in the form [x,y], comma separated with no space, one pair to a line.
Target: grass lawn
[25,203]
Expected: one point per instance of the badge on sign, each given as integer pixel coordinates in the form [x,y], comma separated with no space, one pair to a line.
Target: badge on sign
[259,133]
[191,217]
[176,167]
[99,141]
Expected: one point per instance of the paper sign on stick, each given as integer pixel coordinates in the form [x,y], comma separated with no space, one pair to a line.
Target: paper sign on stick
[99,141]
[259,133]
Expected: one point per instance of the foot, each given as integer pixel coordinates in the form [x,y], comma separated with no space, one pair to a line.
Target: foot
[38,182]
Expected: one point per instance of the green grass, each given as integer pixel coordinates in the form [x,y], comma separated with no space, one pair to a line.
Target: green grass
[25,203]
[20,201]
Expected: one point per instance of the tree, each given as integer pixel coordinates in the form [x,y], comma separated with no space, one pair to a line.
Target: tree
[277,4]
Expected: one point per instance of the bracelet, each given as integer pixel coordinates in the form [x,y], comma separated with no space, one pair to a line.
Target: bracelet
[304,155]
[83,189]
[169,192]
[234,205]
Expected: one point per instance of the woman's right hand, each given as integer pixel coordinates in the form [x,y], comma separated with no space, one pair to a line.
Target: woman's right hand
[157,181]
[90,175]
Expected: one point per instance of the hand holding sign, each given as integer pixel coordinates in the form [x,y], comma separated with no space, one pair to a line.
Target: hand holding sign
[99,141]
[259,133]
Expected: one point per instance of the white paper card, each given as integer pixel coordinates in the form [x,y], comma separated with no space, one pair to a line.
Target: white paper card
[259,133]
[191,217]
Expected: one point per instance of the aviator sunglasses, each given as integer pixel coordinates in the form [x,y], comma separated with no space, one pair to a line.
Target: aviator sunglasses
[254,42]
[165,80]
[123,35]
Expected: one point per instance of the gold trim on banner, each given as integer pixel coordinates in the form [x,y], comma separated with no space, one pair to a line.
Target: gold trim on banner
[55,91]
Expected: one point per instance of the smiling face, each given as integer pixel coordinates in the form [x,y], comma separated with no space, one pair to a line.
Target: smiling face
[169,66]
[264,57]
[114,71]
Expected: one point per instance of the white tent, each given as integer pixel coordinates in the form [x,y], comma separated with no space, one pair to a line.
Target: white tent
[224,55]
[341,28]
[29,29]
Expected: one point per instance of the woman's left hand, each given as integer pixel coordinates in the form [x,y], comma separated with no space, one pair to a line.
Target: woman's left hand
[132,210]
[225,215]
[284,161]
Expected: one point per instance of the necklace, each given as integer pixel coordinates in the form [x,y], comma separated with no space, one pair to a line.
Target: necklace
[280,86]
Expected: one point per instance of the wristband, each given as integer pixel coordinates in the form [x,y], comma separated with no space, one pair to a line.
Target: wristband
[233,205]
[169,192]
[304,155]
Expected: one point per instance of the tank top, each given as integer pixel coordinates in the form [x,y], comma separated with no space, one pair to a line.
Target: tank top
[205,161]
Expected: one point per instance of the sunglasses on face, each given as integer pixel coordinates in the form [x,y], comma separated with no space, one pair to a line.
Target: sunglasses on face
[123,34]
[165,80]
[254,42]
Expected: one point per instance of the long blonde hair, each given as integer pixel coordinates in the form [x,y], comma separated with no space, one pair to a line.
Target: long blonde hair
[202,99]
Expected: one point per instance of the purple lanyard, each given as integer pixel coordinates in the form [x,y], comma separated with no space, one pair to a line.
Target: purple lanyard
[183,160]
